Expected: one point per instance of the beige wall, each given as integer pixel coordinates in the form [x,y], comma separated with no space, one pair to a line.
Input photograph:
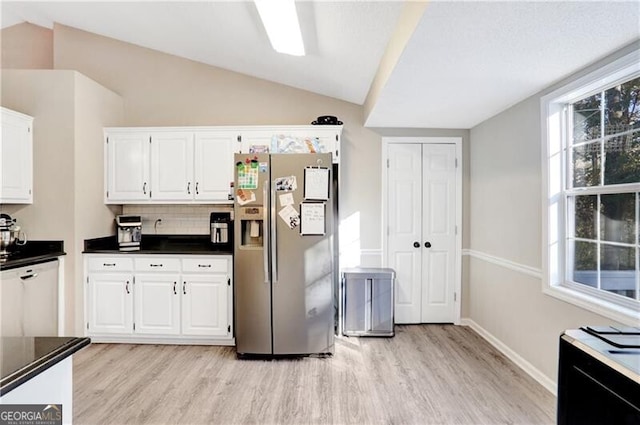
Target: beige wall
[95,108]
[69,111]
[26,46]
[163,90]
[506,223]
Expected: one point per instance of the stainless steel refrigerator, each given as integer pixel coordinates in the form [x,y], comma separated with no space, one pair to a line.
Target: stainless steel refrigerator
[284,254]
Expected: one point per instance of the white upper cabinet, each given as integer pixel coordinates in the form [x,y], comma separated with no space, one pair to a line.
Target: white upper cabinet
[16,158]
[127,167]
[172,166]
[213,162]
[293,139]
[184,165]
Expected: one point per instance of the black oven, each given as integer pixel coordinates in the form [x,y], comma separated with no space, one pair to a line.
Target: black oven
[598,383]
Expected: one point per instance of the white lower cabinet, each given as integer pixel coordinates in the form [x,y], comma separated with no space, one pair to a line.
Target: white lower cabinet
[163,298]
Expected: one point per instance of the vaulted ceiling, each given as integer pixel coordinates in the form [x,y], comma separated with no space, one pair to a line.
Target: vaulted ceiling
[441,64]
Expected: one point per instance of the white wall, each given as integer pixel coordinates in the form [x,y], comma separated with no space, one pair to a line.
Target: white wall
[504,271]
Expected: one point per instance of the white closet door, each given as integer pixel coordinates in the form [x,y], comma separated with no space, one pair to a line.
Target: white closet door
[438,233]
[422,234]
[405,228]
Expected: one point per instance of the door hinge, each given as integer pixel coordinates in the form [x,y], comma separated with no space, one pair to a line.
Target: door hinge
[387,162]
[87,325]
[107,140]
[134,326]
[149,139]
[336,137]
[228,281]
[229,329]
[456,162]
[456,229]
[239,138]
[455,296]
[107,194]
[87,280]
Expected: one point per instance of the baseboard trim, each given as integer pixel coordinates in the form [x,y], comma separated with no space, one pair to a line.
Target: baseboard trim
[502,262]
[531,370]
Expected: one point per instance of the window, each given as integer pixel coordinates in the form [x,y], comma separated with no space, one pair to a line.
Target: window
[591,131]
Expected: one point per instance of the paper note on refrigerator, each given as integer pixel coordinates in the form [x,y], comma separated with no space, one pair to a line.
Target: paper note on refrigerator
[290,216]
[286,199]
[312,218]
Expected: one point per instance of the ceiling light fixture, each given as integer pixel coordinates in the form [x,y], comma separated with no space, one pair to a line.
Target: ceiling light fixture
[280,20]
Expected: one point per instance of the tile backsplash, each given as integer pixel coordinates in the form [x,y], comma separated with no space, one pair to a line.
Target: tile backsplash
[175,219]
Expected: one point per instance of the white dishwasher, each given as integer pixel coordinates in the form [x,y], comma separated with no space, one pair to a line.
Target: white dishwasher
[29,300]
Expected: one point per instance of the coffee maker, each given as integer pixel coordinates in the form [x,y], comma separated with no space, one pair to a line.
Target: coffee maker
[129,232]
[221,230]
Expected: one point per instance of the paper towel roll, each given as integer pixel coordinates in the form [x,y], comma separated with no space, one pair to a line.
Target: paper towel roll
[254,229]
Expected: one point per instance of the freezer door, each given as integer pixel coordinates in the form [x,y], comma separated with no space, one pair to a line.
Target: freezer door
[302,267]
[252,296]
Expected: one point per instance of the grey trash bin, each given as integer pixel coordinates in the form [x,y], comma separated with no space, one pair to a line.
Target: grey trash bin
[367,301]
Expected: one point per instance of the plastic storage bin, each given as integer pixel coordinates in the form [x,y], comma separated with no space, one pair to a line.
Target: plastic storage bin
[367,302]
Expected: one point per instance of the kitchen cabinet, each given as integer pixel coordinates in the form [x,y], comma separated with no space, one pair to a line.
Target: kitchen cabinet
[16,158]
[127,172]
[29,300]
[324,138]
[176,299]
[202,290]
[109,296]
[154,165]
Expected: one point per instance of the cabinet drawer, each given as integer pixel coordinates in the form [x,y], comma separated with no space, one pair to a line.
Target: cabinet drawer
[110,264]
[205,265]
[157,264]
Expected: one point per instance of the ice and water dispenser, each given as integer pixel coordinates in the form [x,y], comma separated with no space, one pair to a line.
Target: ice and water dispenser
[251,226]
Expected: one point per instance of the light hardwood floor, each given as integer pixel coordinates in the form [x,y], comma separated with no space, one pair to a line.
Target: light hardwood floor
[426,374]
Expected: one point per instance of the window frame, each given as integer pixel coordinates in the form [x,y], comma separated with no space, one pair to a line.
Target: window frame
[556,191]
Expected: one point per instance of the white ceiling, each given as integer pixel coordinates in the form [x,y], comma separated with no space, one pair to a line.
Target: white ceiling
[466,60]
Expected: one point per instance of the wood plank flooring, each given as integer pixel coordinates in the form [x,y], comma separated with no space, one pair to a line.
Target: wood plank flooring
[426,374]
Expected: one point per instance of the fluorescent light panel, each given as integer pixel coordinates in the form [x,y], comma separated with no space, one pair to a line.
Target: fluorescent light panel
[280,20]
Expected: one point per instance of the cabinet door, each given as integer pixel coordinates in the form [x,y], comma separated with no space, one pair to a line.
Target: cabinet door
[16,158]
[204,305]
[127,167]
[11,303]
[214,165]
[157,303]
[172,166]
[110,306]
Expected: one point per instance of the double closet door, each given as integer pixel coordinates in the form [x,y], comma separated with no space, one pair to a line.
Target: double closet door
[422,217]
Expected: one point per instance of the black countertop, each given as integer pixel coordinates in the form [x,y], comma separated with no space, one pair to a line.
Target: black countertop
[25,357]
[159,244]
[33,252]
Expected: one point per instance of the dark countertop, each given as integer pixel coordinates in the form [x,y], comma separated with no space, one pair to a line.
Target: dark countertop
[158,244]
[26,357]
[33,252]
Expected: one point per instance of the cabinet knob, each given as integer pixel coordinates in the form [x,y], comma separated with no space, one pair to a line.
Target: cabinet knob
[416,244]
[427,244]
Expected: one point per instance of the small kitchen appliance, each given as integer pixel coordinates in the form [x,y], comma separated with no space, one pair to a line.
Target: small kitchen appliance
[220,230]
[129,232]
[9,235]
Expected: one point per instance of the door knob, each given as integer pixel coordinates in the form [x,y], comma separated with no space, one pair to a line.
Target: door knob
[427,244]
[416,245]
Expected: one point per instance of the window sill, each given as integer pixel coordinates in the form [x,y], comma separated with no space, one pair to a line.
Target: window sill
[623,315]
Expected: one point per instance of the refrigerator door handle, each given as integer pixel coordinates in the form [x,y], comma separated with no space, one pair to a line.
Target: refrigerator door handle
[266,236]
[274,236]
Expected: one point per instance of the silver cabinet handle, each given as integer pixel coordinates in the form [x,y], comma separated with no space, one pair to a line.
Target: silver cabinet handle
[144,188]
[197,192]
[189,188]
[29,276]
[156,265]
[204,265]
[108,264]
